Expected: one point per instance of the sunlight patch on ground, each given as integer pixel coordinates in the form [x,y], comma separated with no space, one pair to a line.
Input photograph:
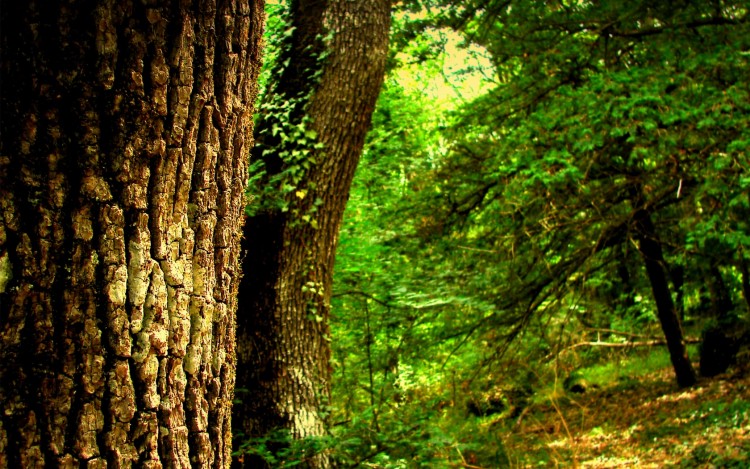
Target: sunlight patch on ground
[606,462]
[691,394]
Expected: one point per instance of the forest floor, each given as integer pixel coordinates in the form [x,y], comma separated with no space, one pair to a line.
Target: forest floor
[644,423]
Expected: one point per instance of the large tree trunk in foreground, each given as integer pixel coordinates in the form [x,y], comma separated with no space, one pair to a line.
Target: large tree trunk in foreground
[125,131]
[653,257]
[315,117]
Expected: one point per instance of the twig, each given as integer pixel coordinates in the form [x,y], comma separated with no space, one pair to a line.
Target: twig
[567,430]
[464,463]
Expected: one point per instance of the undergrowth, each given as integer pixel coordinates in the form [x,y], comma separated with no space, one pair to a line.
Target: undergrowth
[632,415]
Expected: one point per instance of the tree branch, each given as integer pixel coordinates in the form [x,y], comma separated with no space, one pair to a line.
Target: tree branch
[690,24]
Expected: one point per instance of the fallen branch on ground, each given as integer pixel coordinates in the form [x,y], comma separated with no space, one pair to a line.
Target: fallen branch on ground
[598,343]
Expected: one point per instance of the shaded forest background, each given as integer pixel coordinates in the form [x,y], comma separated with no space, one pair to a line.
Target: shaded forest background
[550,213]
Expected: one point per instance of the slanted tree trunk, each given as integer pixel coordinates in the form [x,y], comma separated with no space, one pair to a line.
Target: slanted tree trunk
[316,113]
[650,248]
[125,132]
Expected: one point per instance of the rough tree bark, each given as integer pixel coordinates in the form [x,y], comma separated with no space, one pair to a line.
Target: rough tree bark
[125,132]
[326,82]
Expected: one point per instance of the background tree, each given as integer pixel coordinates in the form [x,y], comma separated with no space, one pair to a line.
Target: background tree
[125,133]
[323,85]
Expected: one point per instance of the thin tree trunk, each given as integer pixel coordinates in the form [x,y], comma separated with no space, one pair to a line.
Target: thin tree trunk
[125,130]
[677,275]
[653,258]
[745,278]
[721,298]
[318,107]
[626,298]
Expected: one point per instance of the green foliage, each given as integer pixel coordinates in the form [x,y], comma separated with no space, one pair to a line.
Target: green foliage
[735,414]
[297,148]
[490,230]
[280,450]
[624,369]
[627,370]
[278,30]
[286,147]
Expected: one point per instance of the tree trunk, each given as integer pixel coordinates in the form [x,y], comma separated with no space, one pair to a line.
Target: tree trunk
[125,132]
[745,271]
[653,257]
[315,117]
[626,297]
[677,275]
[721,298]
